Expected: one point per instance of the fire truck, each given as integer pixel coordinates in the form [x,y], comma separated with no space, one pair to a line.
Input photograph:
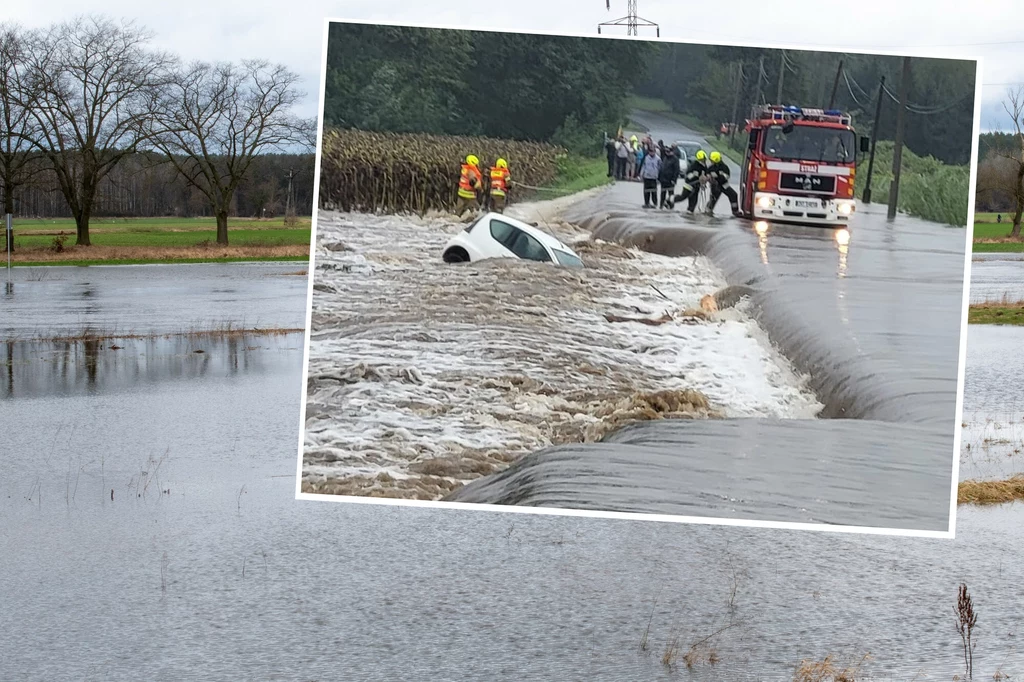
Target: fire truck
[799,166]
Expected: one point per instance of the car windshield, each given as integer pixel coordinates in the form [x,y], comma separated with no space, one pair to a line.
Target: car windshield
[565,258]
[810,143]
[469,228]
[689,148]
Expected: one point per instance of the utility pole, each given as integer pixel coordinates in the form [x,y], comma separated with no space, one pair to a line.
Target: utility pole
[760,76]
[736,104]
[631,21]
[288,217]
[9,230]
[874,140]
[897,152]
[835,85]
[782,76]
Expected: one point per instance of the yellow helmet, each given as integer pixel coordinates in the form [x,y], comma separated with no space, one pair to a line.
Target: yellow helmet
[502,163]
[633,139]
[715,157]
[472,160]
[700,155]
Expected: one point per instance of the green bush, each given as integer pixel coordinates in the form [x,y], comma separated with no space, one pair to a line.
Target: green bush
[929,189]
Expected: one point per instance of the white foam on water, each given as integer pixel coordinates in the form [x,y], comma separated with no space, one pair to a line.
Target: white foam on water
[412,359]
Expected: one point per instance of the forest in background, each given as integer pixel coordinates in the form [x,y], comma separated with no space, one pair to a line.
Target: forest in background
[568,91]
[702,81]
[998,173]
[144,185]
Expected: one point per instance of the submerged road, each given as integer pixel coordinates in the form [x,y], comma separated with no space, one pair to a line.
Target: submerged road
[881,299]
[872,314]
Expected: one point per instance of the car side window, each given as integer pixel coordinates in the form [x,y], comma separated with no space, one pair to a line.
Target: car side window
[503,233]
[529,248]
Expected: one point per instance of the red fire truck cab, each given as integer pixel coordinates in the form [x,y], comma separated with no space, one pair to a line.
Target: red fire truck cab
[799,166]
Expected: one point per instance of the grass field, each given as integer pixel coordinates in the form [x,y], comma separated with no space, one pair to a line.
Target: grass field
[996,312]
[123,241]
[577,174]
[989,234]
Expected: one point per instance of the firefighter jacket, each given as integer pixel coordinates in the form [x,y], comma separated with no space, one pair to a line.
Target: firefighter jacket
[719,174]
[469,180]
[500,179]
[693,173]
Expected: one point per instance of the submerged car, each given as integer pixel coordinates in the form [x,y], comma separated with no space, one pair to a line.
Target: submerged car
[494,235]
[687,150]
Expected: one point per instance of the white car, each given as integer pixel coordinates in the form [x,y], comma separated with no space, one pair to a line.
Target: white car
[494,235]
[687,150]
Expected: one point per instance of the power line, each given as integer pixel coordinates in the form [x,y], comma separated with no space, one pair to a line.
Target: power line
[922,110]
[850,89]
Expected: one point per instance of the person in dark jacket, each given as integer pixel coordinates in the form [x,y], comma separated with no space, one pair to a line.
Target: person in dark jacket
[609,148]
[668,176]
[718,173]
[695,172]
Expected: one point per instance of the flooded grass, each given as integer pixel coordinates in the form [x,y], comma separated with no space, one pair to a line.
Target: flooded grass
[830,669]
[991,492]
[226,330]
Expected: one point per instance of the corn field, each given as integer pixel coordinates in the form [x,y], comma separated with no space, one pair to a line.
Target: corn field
[413,173]
[929,189]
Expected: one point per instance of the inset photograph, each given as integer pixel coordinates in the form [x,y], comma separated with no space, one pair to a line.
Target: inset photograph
[637,278]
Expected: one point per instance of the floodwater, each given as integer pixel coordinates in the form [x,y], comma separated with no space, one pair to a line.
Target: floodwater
[992,444]
[226,576]
[871,314]
[129,299]
[997,277]
[424,375]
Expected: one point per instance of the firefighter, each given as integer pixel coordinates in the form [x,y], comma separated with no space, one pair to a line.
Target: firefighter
[695,172]
[718,174]
[470,183]
[501,179]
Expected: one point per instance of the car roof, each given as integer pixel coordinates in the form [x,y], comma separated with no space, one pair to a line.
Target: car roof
[540,235]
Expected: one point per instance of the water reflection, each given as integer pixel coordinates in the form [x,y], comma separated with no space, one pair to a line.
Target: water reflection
[761,228]
[842,239]
[102,365]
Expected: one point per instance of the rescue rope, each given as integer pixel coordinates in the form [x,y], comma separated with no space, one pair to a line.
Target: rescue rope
[543,189]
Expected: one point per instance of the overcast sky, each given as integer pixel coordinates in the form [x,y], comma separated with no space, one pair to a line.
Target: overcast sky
[291,32]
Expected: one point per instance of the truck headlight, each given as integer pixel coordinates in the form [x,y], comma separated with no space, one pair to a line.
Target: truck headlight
[765,202]
[845,208]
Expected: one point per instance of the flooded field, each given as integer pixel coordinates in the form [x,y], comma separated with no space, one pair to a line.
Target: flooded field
[997,277]
[226,576]
[992,445]
[150,299]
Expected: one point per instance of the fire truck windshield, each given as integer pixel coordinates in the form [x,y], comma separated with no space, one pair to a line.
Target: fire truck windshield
[810,143]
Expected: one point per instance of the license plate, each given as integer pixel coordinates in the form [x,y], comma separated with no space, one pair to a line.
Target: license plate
[806,204]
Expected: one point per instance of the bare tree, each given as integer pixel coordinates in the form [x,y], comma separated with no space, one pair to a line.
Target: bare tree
[92,90]
[17,126]
[1014,183]
[217,117]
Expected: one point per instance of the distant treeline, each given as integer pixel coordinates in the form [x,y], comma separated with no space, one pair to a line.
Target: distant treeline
[568,90]
[562,90]
[702,81]
[144,185]
[997,174]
